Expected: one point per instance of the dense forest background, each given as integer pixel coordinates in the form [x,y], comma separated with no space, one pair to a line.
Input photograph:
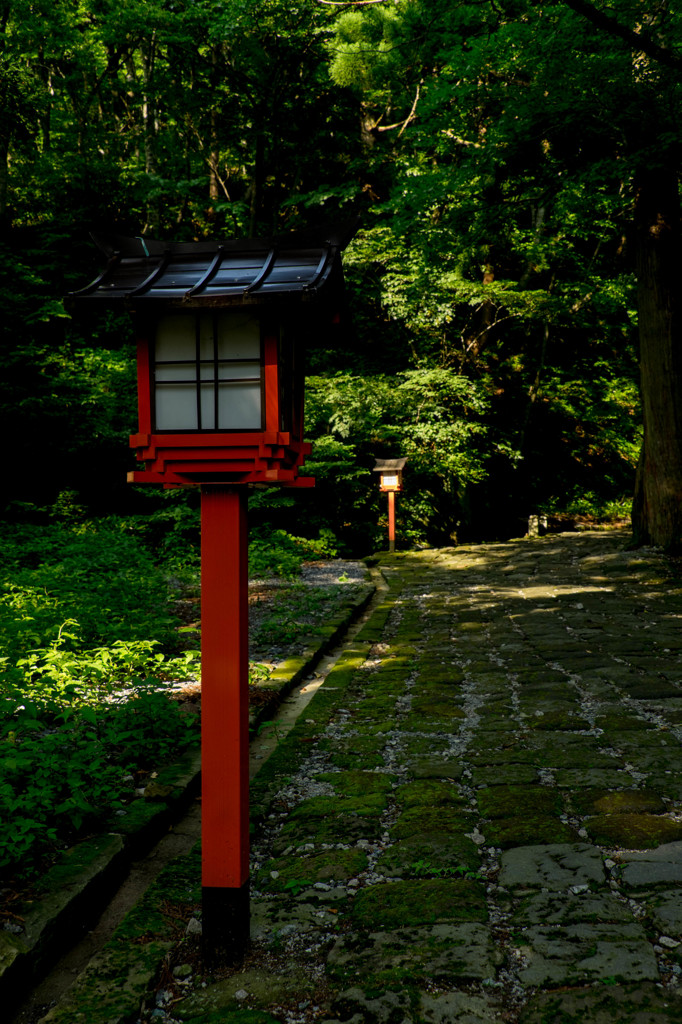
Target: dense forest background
[498,154]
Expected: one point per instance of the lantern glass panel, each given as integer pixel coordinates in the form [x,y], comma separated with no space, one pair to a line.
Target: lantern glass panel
[389,481]
[207,372]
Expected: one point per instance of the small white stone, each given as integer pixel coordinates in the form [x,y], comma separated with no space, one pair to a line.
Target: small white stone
[609,864]
[274,874]
[241,995]
[665,940]
[577,889]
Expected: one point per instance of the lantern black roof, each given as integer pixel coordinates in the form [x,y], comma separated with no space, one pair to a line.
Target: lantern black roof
[389,465]
[141,270]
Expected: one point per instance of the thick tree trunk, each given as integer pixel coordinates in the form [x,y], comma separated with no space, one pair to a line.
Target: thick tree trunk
[657,507]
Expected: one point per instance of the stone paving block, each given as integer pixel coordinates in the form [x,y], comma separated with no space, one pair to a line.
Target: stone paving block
[665,913]
[244,991]
[422,855]
[546,908]
[653,867]
[555,866]
[595,778]
[439,953]
[633,831]
[642,1004]
[579,953]
[511,775]
[456,1006]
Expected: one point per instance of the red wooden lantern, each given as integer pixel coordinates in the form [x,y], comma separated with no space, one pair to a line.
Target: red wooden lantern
[391,481]
[221,330]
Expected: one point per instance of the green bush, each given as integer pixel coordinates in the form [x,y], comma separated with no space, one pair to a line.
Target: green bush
[280,554]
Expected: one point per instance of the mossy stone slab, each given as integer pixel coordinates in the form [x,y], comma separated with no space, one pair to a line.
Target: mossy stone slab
[426,856]
[238,1017]
[431,821]
[529,831]
[403,904]
[512,753]
[616,722]
[652,689]
[622,801]
[581,953]
[333,829]
[665,913]
[429,768]
[512,774]
[605,1004]
[372,804]
[427,792]
[556,721]
[592,778]
[442,953]
[633,831]
[264,988]
[555,867]
[571,752]
[546,908]
[358,783]
[292,873]
[514,801]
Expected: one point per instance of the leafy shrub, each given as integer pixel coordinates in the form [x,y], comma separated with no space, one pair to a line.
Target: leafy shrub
[280,554]
[65,772]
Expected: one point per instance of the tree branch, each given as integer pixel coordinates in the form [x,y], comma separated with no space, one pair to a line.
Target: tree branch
[402,124]
[637,40]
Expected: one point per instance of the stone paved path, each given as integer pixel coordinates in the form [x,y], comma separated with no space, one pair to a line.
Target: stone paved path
[481,817]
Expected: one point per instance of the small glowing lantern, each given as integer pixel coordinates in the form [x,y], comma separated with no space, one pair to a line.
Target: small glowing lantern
[391,481]
[220,334]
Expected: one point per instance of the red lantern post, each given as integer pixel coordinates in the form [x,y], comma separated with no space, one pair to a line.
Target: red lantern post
[220,332]
[390,481]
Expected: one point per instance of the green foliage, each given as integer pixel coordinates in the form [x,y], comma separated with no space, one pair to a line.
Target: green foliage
[280,554]
[82,699]
[63,773]
[493,152]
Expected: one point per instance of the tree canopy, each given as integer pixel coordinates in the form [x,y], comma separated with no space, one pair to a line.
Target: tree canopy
[515,170]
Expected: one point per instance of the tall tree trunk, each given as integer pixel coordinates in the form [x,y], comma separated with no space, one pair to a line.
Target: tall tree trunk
[657,507]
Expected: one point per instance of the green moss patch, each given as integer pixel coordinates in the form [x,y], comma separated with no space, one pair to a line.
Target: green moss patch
[429,792]
[515,774]
[528,831]
[370,805]
[518,801]
[426,709]
[561,721]
[652,691]
[624,801]
[633,831]
[430,821]
[618,722]
[358,784]
[401,904]
[430,857]
[290,874]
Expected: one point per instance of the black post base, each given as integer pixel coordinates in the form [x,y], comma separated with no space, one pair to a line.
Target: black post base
[226,919]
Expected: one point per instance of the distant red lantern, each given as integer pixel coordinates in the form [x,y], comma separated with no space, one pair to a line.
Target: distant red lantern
[221,329]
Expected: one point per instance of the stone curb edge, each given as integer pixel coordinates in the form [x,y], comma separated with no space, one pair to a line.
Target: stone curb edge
[78,887]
